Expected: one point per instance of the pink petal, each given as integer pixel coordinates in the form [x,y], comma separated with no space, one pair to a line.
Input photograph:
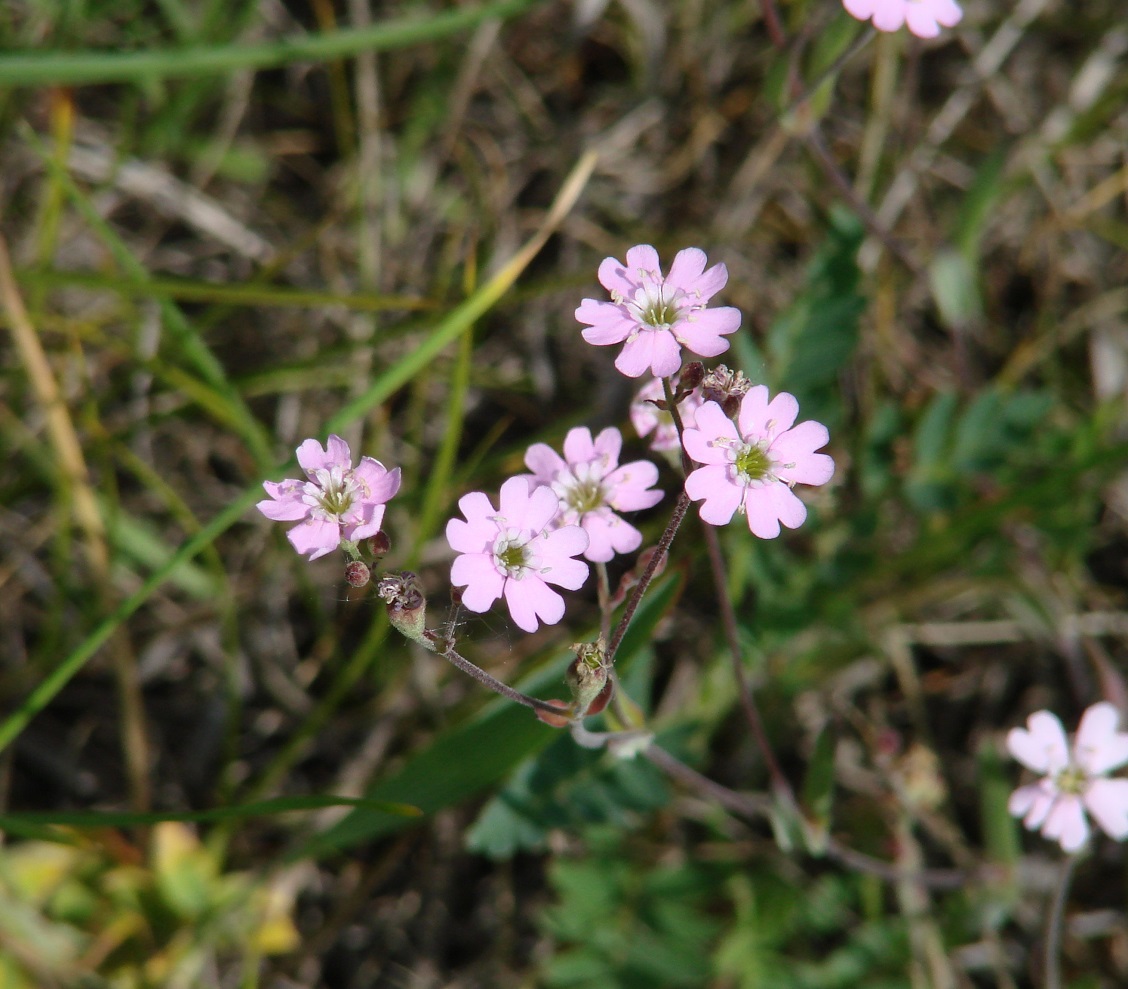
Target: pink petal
[614,277]
[1032,800]
[544,462]
[686,269]
[947,12]
[651,350]
[555,552]
[921,21]
[643,259]
[476,507]
[482,582]
[766,421]
[722,495]
[710,425]
[710,283]
[362,524]
[578,446]
[608,323]
[316,537]
[607,446]
[1107,801]
[608,534]
[861,9]
[312,457]
[888,15]
[525,509]
[1043,747]
[1066,823]
[285,504]
[769,504]
[630,487]
[1099,747]
[531,598]
[794,457]
[381,484]
[471,537]
[702,331]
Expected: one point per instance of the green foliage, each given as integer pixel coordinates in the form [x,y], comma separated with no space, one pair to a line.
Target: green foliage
[811,342]
[565,787]
[627,924]
[998,433]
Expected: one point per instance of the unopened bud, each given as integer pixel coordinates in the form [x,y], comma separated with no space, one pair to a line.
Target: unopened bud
[407,608]
[357,573]
[587,675]
[726,388]
[692,375]
[379,545]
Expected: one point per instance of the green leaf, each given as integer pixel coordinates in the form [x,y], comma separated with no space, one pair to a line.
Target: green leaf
[818,791]
[955,289]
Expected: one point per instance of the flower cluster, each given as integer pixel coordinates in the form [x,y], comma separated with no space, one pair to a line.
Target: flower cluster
[1074,777]
[572,505]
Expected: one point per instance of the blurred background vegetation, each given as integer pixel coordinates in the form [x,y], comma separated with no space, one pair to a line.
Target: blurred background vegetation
[229,225]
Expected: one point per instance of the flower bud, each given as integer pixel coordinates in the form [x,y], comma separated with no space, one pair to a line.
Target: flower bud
[407,608]
[379,545]
[692,375]
[726,388]
[587,675]
[357,573]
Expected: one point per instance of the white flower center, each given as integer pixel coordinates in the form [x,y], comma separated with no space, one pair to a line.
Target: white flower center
[1072,780]
[331,493]
[511,553]
[580,488]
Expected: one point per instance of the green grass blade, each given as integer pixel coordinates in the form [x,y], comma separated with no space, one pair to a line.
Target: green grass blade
[79,68]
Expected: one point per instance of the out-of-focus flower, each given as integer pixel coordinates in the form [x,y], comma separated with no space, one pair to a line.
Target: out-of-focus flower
[655,316]
[514,552]
[592,487]
[337,501]
[751,465]
[647,418]
[1074,778]
[923,17]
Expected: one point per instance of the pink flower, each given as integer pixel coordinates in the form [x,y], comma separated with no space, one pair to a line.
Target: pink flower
[924,17]
[647,417]
[592,487]
[337,502]
[511,552]
[658,316]
[752,464]
[1074,780]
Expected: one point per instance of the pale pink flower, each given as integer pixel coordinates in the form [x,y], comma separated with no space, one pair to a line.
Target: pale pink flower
[923,17]
[514,552]
[337,501]
[657,316]
[751,465]
[1074,780]
[648,418]
[592,487]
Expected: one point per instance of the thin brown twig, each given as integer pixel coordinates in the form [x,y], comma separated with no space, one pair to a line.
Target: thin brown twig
[648,574]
